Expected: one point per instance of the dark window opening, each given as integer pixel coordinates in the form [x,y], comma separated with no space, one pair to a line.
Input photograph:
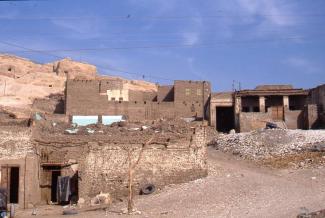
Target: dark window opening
[14,185]
[297,102]
[54,185]
[256,109]
[273,101]
[120,99]
[112,99]
[50,86]
[250,104]
[9,69]
[245,109]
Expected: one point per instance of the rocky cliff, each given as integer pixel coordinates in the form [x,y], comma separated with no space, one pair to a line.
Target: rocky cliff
[22,81]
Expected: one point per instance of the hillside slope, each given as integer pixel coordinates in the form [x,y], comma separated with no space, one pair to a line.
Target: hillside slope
[22,81]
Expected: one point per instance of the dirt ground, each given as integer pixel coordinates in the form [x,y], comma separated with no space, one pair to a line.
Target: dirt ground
[234,188]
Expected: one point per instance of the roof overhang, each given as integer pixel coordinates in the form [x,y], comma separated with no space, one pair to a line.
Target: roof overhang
[284,92]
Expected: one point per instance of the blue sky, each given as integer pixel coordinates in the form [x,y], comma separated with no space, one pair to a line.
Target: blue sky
[251,41]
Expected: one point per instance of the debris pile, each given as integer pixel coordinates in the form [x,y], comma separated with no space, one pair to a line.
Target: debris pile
[270,143]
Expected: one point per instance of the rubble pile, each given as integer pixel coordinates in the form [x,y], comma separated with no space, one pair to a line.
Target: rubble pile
[268,143]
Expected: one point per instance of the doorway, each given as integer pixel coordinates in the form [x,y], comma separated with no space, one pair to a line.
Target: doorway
[225,119]
[14,185]
[54,185]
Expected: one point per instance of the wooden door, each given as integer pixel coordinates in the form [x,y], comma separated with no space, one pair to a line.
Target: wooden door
[277,113]
[5,177]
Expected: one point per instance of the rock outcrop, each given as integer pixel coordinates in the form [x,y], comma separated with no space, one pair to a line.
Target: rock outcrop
[22,81]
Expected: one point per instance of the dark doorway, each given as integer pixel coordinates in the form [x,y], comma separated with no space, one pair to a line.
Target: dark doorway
[54,185]
[225,119]
[14,185]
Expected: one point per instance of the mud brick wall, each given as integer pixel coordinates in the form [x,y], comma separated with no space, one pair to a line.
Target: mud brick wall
[192,103]
[253,120]
[165,93]
[16,150]
[294,119]
[105,167]
[50,106]
[83,98]
[311,116]
[317,96]
[140,96]
[105,85]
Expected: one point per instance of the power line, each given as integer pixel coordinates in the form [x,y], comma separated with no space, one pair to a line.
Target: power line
[208,44]
[185,17]
[110,68]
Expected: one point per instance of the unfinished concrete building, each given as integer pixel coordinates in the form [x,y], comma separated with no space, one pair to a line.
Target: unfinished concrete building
[184,99]
[248,110]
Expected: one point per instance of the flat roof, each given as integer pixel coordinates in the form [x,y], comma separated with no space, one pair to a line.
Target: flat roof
[281,92]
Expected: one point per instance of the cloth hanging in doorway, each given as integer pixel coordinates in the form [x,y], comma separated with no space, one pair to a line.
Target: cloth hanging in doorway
[63,189]
[3,199]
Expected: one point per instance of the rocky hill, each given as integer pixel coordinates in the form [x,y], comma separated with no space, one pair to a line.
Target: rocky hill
[22,81]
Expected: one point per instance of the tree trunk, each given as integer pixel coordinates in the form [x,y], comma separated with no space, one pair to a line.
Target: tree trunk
[130,196]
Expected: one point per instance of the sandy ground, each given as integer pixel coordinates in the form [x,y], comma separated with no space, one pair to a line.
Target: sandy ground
[234,188]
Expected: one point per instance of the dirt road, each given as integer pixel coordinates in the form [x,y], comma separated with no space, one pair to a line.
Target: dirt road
[234,188]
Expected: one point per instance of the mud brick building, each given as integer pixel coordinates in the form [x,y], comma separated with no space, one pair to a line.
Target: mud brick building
[317,97]
[19,166]
[185,99]
[32,159]
[284,105]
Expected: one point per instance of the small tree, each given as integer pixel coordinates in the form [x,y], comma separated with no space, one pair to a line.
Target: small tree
[131,171]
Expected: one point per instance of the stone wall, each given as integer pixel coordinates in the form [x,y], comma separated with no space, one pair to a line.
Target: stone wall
[294,119]
[104,166]
[16,150]
[312,119]
[253,120]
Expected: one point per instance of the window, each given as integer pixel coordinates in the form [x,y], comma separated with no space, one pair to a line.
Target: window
[256,109]
[199,92]
[120,99]
[187,91]
[245,109]
[112,99]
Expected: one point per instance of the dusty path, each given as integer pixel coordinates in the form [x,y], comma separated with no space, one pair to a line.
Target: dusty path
[234,188]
